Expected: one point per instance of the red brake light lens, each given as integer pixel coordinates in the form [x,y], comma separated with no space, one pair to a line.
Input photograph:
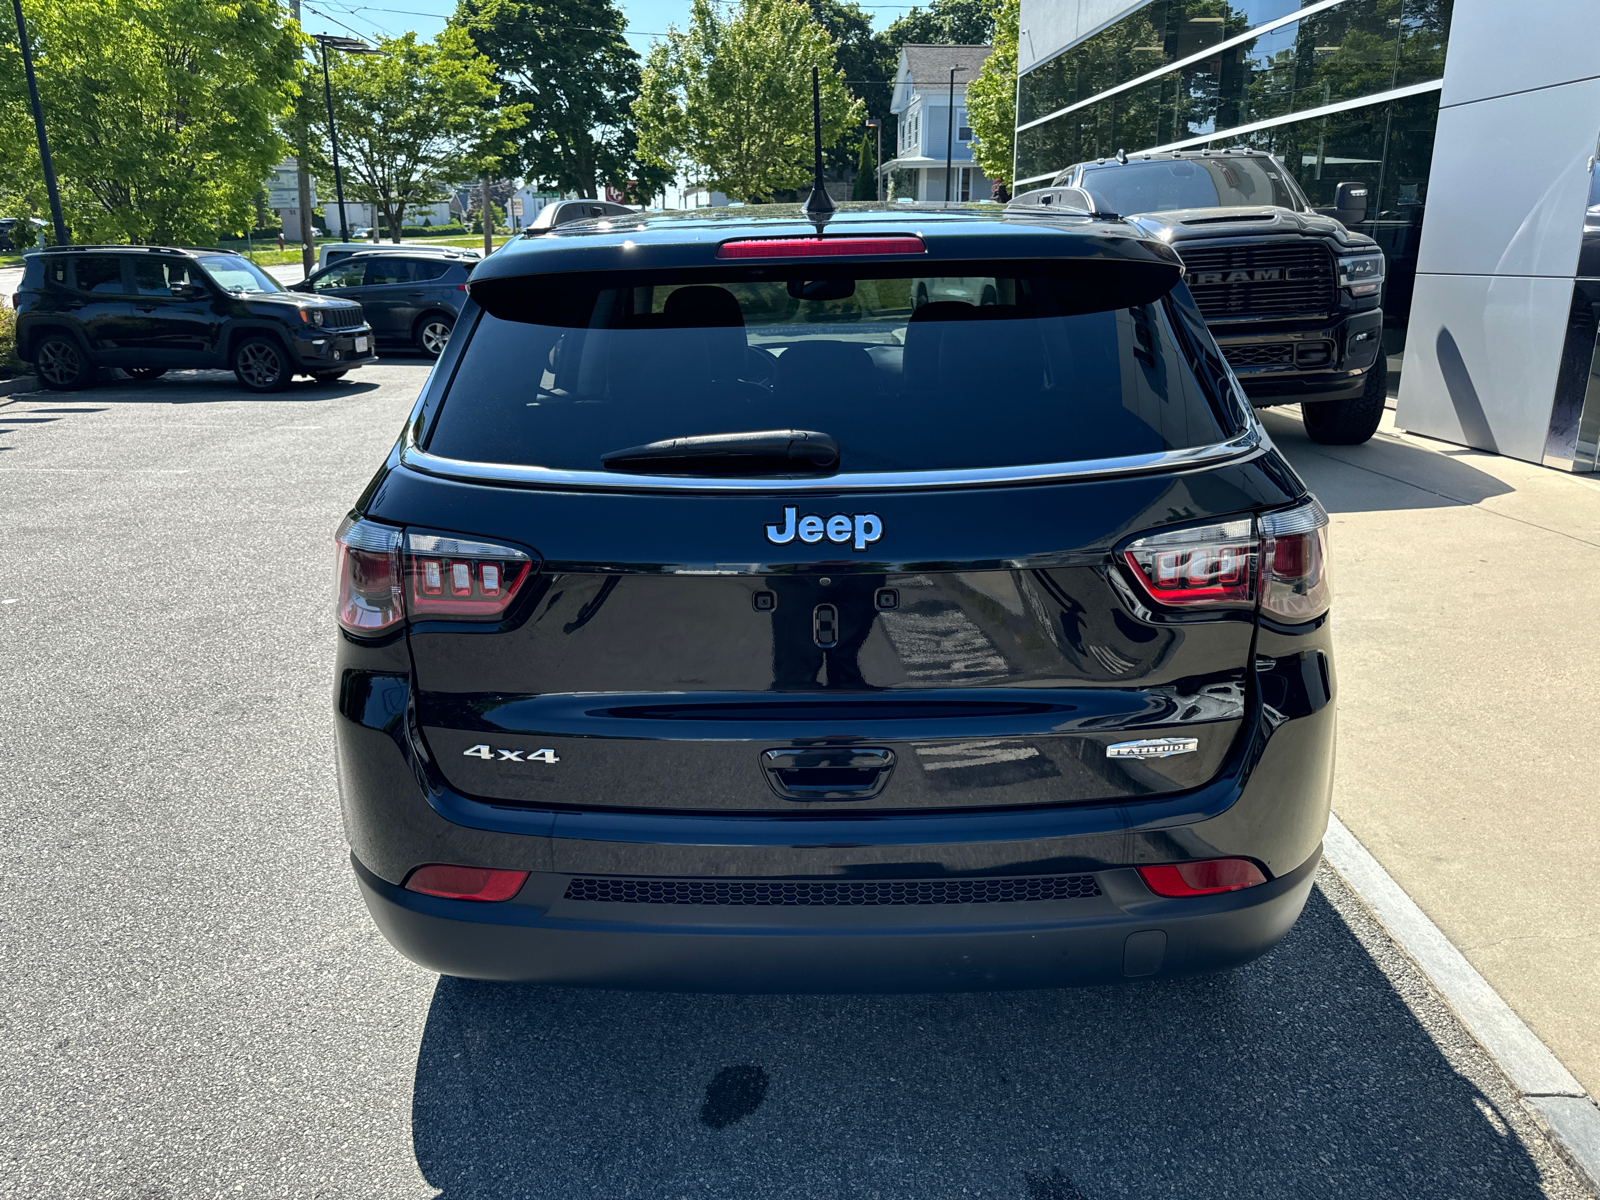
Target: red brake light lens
[819,247]
[370,599]
[466,883]
[1205,878]
[462,580]
[1213,565]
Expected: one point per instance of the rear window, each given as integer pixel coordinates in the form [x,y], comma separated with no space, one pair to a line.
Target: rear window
[906,373]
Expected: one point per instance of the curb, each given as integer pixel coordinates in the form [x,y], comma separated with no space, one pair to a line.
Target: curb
[1548,1090]
[22,383]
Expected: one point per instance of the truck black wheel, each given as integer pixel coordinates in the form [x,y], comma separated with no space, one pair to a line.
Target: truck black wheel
[61,363]
[260,365]
[1349,422]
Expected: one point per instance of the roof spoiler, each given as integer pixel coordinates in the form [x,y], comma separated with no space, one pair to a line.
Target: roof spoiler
[1071,200]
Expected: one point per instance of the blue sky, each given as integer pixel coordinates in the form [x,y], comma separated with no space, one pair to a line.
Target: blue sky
[427,17]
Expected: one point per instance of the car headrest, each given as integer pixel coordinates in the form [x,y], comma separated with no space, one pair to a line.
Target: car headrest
[703,306]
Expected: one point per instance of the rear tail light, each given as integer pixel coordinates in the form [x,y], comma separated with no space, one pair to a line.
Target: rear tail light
[466,883]
[819,247]
[370,599]
[1280,559]
[462,580]
[1213,565]
[1294,562]
[1205,878]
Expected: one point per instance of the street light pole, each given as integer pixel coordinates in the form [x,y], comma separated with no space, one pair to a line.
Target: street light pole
[333,141]
[950,133]
[62,239]
[877,162]
[302,165]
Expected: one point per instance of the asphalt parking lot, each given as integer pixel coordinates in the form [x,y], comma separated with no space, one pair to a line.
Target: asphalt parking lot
[198,1006]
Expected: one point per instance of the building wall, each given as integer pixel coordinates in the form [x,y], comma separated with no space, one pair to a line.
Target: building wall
[1048,25]
[1503,324]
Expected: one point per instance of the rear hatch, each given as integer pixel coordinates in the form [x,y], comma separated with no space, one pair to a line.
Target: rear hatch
[779,535]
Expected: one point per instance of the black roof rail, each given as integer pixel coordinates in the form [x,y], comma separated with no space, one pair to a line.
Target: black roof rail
[126,247]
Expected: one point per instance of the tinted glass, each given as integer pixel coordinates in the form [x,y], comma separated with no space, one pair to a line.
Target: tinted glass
[1167,184]
[345,275]
[100,273]
[906,373]
[429,268]
[384,269]
[158,276]
[238,274]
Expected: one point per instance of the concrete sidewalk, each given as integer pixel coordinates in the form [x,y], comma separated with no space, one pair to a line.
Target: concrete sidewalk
[1469,708]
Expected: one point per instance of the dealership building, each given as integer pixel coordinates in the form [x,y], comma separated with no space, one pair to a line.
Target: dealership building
[1475,125]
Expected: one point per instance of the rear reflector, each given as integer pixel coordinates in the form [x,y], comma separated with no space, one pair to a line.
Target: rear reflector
[369,598]
[466,883]
[819,247]
[1205,878]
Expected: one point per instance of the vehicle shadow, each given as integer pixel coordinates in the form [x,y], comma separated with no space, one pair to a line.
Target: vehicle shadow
[1303,1074]
[1385,473]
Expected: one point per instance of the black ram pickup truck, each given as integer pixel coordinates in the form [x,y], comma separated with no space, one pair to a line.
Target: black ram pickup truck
[1293,297]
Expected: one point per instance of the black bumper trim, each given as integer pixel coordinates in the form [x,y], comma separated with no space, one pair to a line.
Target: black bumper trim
[923,949]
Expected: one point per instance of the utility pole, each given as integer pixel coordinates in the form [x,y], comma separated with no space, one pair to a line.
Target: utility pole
[348,46]
[950,133]
[488,219]
[62,238]
[877,162]
[308,245]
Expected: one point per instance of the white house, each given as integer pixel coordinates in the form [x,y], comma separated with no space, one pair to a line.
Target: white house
[923,94]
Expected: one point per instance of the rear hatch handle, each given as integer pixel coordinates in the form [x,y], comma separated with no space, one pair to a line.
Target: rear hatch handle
[828,773]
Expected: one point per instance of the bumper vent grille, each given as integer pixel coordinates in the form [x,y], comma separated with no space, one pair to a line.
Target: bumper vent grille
[347,316]
[1260,356]
[780,893]
[1261,280]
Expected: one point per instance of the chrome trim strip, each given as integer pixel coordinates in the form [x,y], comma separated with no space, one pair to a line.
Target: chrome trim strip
[1246,444]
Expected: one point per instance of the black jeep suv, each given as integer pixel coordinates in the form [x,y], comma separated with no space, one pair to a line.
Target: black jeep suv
[151,309]
[724,619]
[1293,297]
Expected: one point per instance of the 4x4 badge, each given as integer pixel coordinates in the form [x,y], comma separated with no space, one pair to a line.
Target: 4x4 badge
[488,755]
[865,528]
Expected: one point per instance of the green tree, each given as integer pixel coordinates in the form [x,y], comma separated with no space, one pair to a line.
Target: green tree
[865,57]
[732,95]
[413,119]
[163,114]
[866,166]
[992,97]
[569,63]
[944,23]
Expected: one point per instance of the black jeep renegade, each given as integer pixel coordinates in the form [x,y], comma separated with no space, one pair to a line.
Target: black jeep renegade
[726,618]
[153,309]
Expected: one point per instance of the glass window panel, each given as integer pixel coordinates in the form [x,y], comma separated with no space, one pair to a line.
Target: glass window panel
[100,273]
[1358,48]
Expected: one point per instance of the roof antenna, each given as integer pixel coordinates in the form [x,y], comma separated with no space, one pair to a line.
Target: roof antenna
[819,206]
[1122,156]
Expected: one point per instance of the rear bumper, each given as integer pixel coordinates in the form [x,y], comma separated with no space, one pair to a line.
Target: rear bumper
[1125,933]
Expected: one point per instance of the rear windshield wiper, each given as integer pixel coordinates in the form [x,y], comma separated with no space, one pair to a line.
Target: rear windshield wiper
[762,452]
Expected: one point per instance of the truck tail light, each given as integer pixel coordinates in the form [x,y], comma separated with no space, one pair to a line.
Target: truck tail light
[1294,562]
[459,579]
[1211,565]
[1279,558]
[369,596]
[1204,878]
[466,883]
